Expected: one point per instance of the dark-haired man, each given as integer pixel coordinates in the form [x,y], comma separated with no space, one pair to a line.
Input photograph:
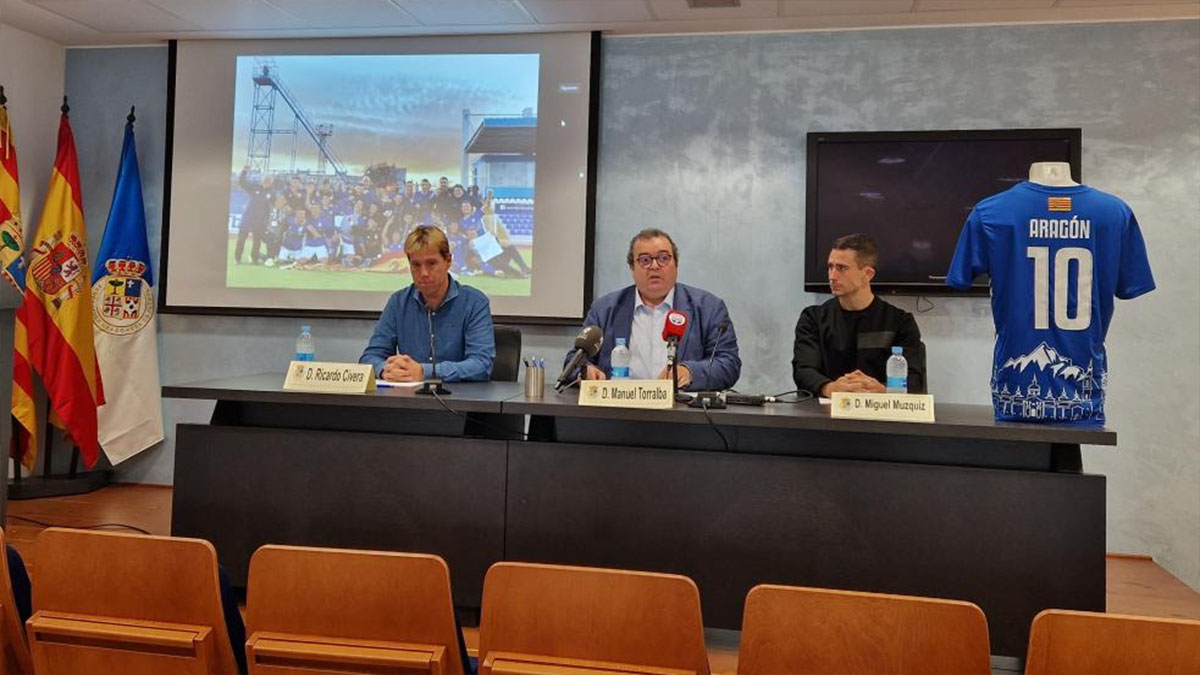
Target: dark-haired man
[844,344]
[708,352]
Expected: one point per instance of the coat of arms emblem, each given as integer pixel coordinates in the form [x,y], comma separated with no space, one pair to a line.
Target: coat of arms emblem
[122,299]
[58,268]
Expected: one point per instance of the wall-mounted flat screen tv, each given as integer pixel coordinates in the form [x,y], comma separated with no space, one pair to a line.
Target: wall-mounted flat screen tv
[912,191]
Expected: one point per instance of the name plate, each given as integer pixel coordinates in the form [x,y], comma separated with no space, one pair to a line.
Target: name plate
[890,407]
[627,393]
[344,378]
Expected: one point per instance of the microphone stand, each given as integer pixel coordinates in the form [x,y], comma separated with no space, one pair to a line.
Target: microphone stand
[432,386]
[672,347]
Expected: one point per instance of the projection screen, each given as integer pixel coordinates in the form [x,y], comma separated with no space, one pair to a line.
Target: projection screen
[298,167]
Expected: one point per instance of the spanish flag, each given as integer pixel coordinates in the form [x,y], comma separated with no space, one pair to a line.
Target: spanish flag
[12,267]
[58,305]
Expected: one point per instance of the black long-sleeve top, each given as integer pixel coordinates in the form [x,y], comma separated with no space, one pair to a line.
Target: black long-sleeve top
[831,341]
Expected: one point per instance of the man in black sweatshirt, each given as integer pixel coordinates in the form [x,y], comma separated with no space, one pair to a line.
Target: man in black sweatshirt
[844,343]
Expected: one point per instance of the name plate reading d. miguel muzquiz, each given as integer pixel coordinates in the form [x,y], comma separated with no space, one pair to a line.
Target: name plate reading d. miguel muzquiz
[345,378]
[627,393]
[890,407]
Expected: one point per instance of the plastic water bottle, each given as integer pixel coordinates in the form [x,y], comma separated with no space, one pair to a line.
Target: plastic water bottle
[897,372]
[620,360]
[306,346]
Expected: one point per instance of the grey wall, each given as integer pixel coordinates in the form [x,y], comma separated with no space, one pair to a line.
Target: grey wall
[704,136]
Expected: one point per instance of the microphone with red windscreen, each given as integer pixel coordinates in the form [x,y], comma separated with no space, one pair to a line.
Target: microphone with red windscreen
[675,326]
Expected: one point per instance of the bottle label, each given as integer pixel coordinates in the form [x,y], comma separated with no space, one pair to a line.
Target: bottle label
[897,385]
[309,356]
[620,372]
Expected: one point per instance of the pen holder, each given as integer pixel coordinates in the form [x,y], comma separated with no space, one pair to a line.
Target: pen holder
[535,381]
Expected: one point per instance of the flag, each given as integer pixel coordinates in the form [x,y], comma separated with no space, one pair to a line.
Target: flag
[58,305]
[12,265]
[123,316]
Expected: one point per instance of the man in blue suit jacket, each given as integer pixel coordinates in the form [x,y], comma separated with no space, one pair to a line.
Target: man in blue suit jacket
[708,352]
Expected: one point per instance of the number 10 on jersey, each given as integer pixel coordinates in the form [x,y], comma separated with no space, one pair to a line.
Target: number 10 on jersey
[1062,269]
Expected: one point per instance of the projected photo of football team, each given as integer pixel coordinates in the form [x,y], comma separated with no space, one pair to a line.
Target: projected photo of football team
[337,158]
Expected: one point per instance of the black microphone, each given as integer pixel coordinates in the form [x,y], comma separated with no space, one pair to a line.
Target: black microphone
[720,334]
[432,386]
[587,345]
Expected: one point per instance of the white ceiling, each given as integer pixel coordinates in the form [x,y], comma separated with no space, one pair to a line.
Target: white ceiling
[100,22]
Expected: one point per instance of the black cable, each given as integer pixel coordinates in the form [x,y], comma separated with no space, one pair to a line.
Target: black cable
[704,407]
[918,309]
[801,396]
[80,527]
[469,420]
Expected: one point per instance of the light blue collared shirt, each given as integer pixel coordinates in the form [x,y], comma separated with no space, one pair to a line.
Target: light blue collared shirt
[647,349]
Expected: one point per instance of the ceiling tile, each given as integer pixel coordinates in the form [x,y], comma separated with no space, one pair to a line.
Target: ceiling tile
[843,7]
[465,12]
[346,13]
[53,27]
[230,15]
[675,10]
[951,5]
[587,11]
[117,16]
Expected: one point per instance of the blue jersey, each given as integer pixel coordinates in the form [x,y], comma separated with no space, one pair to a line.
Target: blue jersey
[1057,256]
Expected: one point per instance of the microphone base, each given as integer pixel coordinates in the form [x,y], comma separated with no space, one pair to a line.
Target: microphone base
[713,400]
[432,387]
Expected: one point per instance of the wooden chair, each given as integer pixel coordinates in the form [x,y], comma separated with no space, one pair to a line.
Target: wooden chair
[786,629]
[316,609]
[123,603]
[1066,642]
[15,658]
[557,619]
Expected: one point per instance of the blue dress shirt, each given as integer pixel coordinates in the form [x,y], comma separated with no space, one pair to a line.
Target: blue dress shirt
[462,326]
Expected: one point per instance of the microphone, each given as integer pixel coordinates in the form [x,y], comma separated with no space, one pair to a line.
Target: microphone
[433,385]
[587,345]
[675,326]
[712,399]
[720,334]
[673,329]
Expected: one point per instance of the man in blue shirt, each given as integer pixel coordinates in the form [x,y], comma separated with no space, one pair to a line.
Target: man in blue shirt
[458,317]
[708,352]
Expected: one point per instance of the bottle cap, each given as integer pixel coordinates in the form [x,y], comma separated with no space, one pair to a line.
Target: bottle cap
[620,341]
[305,328]
[897,349]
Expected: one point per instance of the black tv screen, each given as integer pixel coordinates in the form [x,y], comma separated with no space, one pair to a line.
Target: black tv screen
[911,191]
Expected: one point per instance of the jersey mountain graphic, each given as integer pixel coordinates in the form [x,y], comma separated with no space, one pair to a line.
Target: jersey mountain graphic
[1043,358]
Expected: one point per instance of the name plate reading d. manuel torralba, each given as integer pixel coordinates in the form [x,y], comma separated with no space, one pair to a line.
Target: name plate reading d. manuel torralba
[890,407]
[344,378]
[627,393]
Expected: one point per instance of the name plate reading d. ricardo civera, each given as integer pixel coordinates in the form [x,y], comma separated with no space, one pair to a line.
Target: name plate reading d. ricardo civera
[344,378]
[627,393]
[890,407]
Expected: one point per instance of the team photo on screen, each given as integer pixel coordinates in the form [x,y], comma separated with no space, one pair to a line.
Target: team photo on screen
[336,158]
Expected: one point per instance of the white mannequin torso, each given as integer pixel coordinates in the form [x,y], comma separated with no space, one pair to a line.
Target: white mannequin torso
[1053,174]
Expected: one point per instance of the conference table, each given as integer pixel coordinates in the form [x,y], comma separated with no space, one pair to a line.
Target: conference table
[999,514]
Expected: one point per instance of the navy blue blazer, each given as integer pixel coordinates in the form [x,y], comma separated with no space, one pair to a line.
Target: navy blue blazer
[613,313]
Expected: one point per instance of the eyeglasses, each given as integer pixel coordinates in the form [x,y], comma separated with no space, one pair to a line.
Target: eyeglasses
[663,259]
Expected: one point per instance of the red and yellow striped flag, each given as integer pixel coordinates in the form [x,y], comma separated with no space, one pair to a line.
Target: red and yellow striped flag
[58,305]
[12,266]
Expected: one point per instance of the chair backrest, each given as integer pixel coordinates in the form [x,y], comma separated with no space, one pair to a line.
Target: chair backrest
[1067,642]
[394,606]
[787,629]
[108,602]
[587,617]
[15,658]
[507,364]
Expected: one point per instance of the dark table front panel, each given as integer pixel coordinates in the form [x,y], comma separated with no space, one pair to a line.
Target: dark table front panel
[242,487]
[1013,542]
